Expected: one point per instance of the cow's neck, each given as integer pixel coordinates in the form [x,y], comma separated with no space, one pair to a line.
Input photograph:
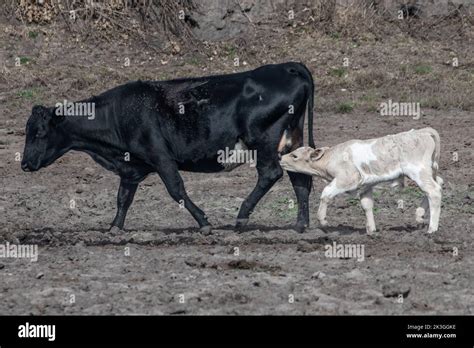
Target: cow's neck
[90,136]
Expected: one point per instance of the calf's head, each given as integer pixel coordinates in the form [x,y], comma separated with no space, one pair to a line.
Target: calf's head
[44,142]
[305,160]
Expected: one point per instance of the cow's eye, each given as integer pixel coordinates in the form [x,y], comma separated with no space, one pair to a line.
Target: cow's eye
[294,156]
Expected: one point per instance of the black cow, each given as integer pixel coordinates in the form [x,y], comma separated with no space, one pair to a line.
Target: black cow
[166,126]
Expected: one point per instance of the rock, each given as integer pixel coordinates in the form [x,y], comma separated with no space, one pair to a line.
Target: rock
[395,289]
[143,237]
[318,275]
[40,275]
[355,274]
[305,247]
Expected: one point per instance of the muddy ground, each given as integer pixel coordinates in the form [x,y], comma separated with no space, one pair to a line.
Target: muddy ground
[168,257]
[162,265]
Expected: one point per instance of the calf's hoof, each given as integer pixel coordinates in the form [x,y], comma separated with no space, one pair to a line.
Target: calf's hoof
[370,231]
[432,230]
[420,213]
[206,230]
[323,223]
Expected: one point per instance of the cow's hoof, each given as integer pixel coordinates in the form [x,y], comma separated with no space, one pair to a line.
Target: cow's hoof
[432,230]
[299,228]
[115,230]
[240,224]
[206,230]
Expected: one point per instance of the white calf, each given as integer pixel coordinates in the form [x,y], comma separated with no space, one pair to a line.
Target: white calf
[362,164]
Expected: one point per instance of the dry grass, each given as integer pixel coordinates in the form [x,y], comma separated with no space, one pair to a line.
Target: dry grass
[386,61]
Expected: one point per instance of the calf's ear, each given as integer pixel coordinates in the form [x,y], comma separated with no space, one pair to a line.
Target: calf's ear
[316,154]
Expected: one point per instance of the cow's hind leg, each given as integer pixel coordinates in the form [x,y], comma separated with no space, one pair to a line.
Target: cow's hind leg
[268,174]
[169,174]
[125,196]
[302,184]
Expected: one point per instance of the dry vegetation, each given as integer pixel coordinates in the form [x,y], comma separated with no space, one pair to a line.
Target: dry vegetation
[406,60]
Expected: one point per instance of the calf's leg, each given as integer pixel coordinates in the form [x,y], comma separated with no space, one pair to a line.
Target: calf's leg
[329,192]
[335,187]
[434,198]
[367,202]
[421,211]
[432,189]
[125,196]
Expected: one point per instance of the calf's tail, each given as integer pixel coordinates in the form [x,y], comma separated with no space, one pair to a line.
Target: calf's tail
[436,154]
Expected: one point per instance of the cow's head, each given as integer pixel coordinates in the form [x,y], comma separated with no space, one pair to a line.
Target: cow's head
[305,160]
[44,143]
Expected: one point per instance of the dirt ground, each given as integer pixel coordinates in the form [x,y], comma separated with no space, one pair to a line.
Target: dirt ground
[168,257]
[162,265]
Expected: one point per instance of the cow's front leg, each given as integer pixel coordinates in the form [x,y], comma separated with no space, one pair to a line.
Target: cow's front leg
[302,185]
[169,173]
[268,175]
[367,202]
[125,196]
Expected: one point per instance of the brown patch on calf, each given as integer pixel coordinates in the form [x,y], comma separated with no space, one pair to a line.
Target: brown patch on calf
[365,168]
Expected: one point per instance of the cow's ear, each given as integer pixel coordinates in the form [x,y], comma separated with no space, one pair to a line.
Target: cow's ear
[56,117]
[40,112]
[42,119]
[316,154]
[45,119]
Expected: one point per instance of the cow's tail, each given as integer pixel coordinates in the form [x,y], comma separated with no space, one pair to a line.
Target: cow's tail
[310,114]
[436,154]
[310,104]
